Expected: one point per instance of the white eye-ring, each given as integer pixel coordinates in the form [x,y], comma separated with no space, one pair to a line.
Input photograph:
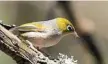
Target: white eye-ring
[69,28]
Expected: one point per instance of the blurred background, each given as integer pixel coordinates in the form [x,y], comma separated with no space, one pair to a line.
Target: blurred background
[89,18]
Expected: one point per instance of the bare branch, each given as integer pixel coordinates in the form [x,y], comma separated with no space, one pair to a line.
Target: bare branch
[20,51]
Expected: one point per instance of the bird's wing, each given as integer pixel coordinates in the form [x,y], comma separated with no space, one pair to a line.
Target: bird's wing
[26,28]
[32,28]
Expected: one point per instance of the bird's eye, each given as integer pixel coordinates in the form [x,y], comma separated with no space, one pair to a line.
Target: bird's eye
[70,28]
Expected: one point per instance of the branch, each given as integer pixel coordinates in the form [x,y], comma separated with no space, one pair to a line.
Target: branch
[22,53]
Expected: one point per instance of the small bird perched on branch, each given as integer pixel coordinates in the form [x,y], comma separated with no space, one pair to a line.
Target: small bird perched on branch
[46,33]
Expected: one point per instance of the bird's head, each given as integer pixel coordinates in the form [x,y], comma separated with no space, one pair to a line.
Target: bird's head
[66,26]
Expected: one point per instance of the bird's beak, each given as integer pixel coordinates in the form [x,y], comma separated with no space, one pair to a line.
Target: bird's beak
[76,35]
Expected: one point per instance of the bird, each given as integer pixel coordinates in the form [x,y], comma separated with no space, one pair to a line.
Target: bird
[47,33]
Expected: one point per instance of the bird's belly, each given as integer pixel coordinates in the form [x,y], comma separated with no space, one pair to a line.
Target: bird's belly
[51,41]
[40,42]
